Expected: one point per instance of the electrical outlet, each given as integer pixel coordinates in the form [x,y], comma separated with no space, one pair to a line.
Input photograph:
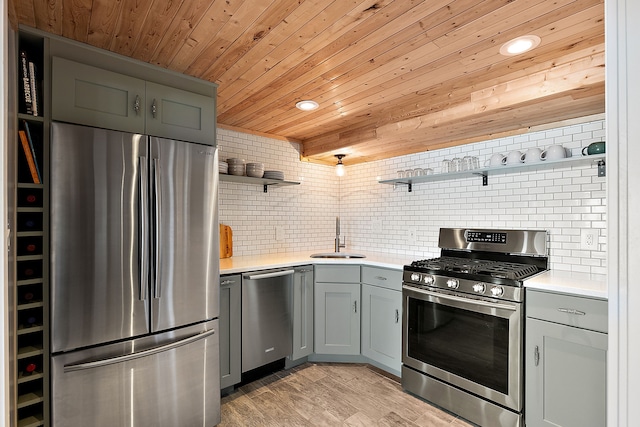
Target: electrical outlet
[412,236]
[589,239]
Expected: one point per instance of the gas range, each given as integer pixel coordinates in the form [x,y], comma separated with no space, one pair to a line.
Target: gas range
[482,263]
[463,322]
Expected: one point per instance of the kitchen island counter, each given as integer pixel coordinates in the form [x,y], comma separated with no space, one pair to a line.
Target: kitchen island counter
[240,264]
[570,282]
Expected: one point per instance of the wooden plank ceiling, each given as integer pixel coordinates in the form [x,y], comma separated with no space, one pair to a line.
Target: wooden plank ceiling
[392,77]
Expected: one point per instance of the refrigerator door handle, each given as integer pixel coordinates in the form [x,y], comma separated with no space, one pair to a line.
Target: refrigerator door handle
[143,243]
[157,196]
[119,359]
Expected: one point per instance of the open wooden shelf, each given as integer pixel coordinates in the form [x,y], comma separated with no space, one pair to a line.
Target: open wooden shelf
[485,172]
[266,183]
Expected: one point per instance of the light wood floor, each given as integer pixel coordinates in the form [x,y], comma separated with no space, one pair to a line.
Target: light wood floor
[324,394]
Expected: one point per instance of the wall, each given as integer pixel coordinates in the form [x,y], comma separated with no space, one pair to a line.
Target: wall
[377,217]
[563,200]
[285,219]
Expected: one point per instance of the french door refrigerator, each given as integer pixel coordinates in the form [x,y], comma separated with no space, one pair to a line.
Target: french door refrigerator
[134,280]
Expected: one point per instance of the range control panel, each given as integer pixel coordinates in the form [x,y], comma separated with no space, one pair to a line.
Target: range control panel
[486,237]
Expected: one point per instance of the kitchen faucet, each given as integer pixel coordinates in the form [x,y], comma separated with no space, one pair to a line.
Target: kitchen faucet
[338,244]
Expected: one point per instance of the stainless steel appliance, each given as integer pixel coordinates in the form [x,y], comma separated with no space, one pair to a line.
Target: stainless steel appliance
[267,319]
[134,268]
[462,344]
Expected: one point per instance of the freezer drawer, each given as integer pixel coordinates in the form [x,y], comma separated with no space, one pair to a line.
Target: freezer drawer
[170,379]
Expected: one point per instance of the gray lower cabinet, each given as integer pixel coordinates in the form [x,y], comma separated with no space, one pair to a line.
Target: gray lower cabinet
[91,96]
[565,360]
[337,309]
[230,322]
[302,312]
[382,316]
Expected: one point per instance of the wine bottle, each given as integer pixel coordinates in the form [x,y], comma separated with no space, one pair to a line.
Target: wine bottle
[27,296]
[29,368]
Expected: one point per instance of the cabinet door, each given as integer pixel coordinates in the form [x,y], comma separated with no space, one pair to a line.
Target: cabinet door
[95,97]
[178,114]
[381,325]
[229,331]
[302,313]
[565,376]
[337,318]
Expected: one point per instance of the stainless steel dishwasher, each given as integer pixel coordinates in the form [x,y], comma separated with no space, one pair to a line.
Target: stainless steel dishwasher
[266,317]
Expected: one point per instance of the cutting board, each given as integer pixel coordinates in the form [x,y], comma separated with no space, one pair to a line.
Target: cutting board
[226,241]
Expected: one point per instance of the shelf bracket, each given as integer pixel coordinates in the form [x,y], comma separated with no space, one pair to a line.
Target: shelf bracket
[410,187]
[264,190]
[602,168]
[485,178]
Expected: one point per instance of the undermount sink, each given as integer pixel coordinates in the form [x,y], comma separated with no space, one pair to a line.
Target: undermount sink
[337,255]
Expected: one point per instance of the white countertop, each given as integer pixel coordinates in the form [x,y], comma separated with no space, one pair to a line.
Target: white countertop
[584,284]
[569,282]
[239,264]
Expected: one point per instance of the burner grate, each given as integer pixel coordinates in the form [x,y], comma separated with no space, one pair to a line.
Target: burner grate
[497,269]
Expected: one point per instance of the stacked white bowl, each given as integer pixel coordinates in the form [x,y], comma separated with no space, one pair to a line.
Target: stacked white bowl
[255,170]
[236,166]
[223,167]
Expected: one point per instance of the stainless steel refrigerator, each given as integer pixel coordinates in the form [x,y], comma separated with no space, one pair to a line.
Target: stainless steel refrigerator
[134,280]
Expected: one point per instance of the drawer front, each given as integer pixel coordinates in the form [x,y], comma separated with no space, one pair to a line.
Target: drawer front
[383,277]
[337,273]
[581,312]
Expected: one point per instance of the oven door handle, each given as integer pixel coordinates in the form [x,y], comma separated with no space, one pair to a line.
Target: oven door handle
[463,299]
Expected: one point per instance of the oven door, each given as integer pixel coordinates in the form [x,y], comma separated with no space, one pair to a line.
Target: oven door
[473,344]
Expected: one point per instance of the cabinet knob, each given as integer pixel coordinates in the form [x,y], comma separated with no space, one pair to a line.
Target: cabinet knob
[136,104]
[154,108]
[397,315]
[536,356]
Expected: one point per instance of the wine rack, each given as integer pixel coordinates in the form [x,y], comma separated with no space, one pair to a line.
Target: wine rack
[30,242]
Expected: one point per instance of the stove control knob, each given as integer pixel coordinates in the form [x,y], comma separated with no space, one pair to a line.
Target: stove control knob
[429,280]
[479,288]
[453,283]
[497,291]
[415,277]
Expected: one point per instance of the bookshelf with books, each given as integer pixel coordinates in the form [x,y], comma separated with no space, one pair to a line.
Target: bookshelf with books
[30,241]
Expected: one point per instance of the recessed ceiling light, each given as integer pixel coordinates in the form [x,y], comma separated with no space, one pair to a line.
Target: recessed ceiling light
[307,105]
[519,45]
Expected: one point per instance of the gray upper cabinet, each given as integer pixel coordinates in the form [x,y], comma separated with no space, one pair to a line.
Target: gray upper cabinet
[92,96]
[565,361]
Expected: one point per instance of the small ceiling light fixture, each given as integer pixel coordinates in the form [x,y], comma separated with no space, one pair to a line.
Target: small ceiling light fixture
[339,165]
[520,45]
[307,105]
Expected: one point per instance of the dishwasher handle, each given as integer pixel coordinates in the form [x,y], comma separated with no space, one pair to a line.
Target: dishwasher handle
[259,276]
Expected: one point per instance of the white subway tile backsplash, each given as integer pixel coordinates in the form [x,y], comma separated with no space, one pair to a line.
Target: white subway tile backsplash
[377,217]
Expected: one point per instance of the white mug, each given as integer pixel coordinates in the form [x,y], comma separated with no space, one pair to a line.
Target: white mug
[446,166]
[495,160]
[532,155]
[513,158]
[428,171]
[555,152]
